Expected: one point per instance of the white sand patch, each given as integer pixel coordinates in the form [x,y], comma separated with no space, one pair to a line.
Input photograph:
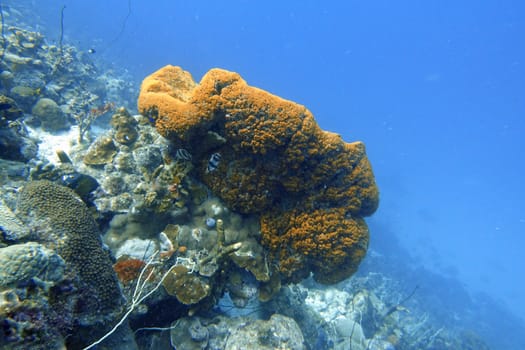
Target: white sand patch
[50,143]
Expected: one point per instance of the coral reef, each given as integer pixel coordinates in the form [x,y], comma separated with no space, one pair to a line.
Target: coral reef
[71,230]
[153,203]
[12,228]
[63,224]
[59,86]
[378,317]
[15,143]
[9,110]
[50,115]
[274,161]
[185,225]
[278,332]
[24,262]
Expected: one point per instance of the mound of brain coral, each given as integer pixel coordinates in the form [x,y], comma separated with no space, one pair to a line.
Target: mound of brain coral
[267,156]
[65,229]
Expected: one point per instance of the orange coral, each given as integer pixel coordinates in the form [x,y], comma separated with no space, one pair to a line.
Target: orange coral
[309,186]
[128,269]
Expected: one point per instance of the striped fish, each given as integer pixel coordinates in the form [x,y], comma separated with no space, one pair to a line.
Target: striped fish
[182,154]
[213,163]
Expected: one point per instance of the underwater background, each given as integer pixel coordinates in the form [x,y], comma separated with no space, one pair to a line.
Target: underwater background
[434,89]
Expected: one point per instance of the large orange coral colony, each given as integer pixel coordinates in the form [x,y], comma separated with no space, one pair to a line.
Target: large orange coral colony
[309,187]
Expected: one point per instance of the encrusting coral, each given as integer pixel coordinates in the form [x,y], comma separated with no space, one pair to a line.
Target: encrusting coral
[309,187]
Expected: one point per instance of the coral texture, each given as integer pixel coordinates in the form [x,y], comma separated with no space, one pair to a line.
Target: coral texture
[64,224]
[128,270]
[310,188]
[322,241]
[278,332]
[51,116]
[23,262]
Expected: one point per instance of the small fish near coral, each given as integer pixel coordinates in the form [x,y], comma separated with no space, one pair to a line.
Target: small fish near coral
[213,163]
[182,154]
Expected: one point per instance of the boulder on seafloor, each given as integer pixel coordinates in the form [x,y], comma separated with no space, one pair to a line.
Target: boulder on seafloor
[187,287]
[24,262]
[11,227]
[9,111]
[101,151]
[15,143]
[50,115]
[26,93]
[195,333]
[7,79]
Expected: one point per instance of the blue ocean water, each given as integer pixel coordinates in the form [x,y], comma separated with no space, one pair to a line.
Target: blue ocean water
[434,89]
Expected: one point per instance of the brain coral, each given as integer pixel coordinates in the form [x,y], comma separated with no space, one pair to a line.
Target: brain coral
[63,223]
[309,187]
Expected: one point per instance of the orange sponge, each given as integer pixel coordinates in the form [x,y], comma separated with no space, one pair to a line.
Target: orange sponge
[265,155]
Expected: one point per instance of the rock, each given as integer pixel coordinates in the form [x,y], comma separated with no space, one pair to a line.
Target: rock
[187,287]
[135,247]
[14,170]
[7,78]
[23,262]
[51,116]
[11,227]
[279,332]
[101,151]
[9,111]
[25,95]
[15,145]
[276,333]
[352,332]
[189,334]
[148,158]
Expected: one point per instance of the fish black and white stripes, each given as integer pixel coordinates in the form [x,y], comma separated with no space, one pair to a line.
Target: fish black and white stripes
[182,154]
[213,162]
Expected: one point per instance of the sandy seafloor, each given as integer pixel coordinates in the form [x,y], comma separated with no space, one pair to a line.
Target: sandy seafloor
[55,98]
